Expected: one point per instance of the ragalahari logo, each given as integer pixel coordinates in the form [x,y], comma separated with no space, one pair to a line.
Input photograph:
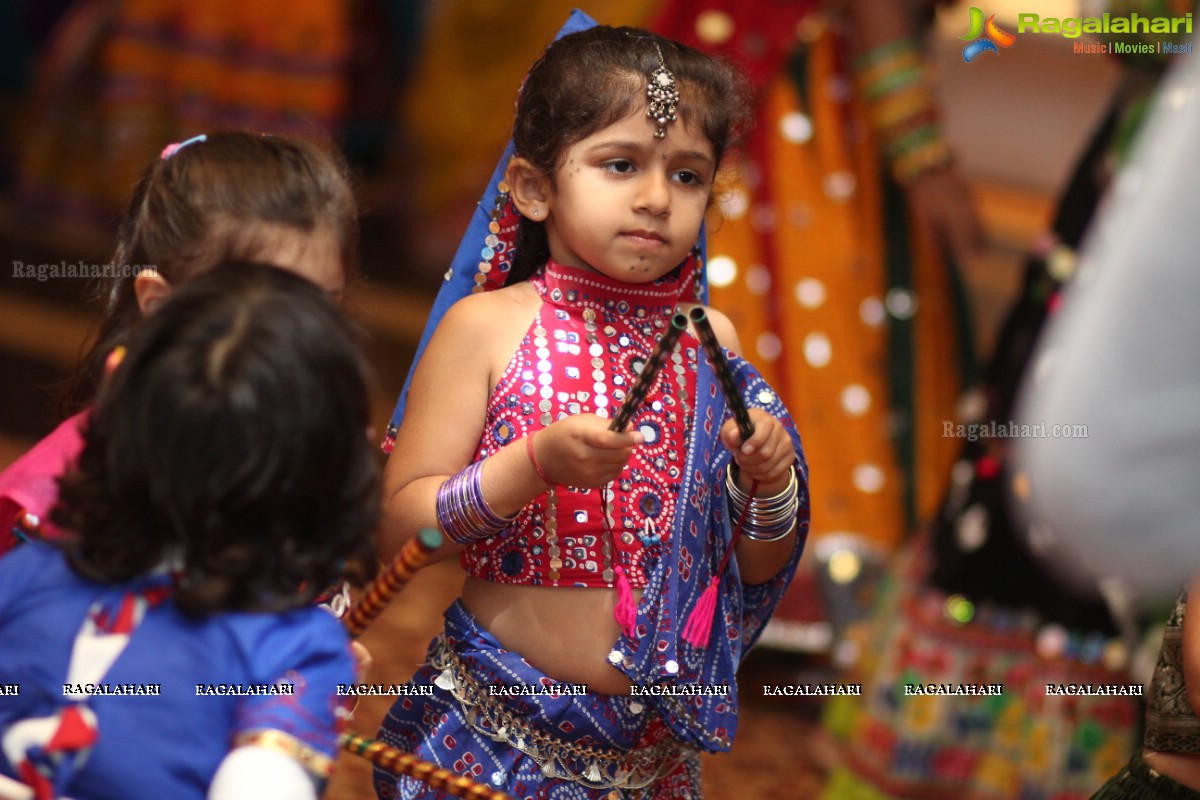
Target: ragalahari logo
[992,35]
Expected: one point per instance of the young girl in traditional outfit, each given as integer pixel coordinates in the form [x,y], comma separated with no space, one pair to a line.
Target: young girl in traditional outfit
[168,645]
[217,196]
[609,598]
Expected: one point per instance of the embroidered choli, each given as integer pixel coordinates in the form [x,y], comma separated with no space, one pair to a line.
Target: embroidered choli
[590,339]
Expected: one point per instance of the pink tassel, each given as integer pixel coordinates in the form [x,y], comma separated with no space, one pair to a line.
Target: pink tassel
[698,629]
[625,612]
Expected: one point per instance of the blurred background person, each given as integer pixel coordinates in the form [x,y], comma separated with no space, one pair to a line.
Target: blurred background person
[1121,361]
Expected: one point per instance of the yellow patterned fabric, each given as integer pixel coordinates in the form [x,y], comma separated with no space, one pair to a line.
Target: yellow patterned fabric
[120,84]
[798,263]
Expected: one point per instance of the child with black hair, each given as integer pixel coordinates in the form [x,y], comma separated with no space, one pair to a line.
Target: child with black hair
[608,598]
[168,646]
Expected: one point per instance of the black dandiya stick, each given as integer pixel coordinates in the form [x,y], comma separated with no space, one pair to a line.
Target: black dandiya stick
[724,374]
[643,382]
[698,628]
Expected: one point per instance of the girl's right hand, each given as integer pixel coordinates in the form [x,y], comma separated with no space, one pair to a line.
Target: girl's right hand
[581,451]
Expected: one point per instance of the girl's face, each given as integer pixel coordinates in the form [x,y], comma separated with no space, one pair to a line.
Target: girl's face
[628,205]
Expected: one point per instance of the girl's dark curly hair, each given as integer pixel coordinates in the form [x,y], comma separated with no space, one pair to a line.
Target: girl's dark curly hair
[233,438]
[588,80]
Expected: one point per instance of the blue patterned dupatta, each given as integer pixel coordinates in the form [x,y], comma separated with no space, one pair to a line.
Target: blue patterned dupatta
[658,655]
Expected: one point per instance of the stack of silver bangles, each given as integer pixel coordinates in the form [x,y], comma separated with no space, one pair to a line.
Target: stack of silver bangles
[768,519]
[462,510]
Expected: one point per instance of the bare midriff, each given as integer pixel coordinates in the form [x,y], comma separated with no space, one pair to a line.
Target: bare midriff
[565,632]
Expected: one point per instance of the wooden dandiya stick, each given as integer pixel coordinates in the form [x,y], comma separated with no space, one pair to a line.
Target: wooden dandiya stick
[724,374]
[400,762]
[643,382]
[412,557]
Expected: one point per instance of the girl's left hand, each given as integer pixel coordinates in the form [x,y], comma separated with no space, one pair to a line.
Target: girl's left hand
[766,457]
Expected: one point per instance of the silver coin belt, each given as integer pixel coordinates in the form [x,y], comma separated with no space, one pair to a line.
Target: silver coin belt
[587,765]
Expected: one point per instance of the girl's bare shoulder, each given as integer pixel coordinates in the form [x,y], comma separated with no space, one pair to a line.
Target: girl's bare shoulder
[485,308]
[489,324]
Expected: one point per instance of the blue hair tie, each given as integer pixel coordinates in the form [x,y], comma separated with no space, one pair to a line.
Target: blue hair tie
[172,149]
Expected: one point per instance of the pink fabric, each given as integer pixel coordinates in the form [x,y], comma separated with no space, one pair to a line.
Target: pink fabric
[31,482]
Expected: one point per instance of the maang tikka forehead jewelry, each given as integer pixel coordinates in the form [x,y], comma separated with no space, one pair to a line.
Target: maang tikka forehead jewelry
[663,94]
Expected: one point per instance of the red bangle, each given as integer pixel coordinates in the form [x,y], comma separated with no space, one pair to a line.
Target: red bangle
[533,459]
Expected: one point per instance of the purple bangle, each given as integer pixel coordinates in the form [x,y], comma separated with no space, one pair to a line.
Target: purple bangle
[462,510]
